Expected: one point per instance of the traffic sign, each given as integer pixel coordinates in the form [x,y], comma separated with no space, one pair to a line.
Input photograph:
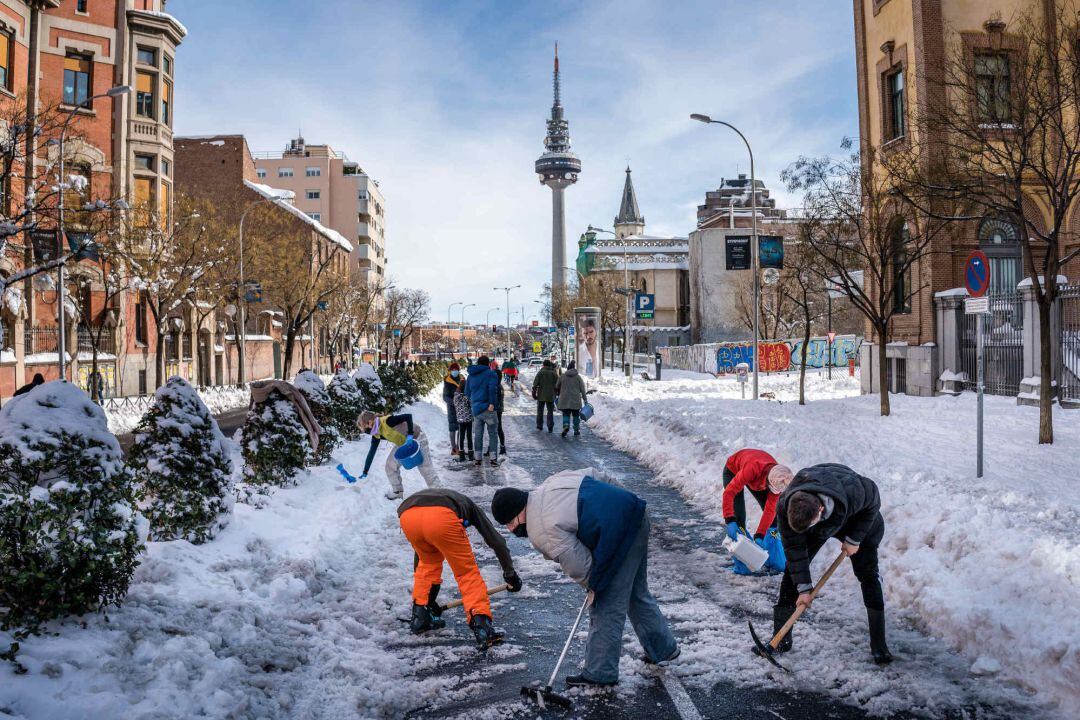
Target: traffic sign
[770,276]
[644,302]
[977,273]
[537,346]
[976,305]
[832,336]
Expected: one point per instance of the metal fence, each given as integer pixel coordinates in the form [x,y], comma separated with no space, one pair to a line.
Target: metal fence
[1003,345]
[107,343]
[1069,379]
[40,339]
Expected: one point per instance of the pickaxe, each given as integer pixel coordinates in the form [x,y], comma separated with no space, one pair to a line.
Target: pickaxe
[769,651]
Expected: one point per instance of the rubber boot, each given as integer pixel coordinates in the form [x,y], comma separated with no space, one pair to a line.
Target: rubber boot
[422,620]
[433,600]
[879,648]
[486,635]
[780,615]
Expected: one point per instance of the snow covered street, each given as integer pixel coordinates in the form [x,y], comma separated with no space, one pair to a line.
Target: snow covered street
[293,610]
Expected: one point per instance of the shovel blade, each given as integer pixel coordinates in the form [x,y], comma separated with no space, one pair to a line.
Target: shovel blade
[763,650]
[546,696]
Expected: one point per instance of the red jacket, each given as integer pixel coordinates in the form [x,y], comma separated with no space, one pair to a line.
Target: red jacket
[751,469]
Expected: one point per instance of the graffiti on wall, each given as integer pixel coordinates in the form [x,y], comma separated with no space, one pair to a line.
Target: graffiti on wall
[777,356]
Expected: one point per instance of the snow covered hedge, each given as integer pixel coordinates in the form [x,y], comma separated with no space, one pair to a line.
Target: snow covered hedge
[275,443]
[70,534]
[182,467]
[318,399]
[346,403]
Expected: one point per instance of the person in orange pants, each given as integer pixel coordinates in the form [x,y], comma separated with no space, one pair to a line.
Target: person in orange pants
[434,521]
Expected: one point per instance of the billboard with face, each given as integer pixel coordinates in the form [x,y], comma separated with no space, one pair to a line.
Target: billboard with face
[587,334]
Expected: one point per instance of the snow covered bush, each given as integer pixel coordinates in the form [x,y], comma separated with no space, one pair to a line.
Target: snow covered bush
[181,466]
[318,399]
[370,386]
[274,443]
[346,403]
[70,534]
[399,386]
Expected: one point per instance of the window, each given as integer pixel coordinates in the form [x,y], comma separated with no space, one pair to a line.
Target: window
[165,168]
[146,56]
[317,217]
[76,79]
[144,95]
[901,271]
[992,87]
[5,60]
[142,382]
[312,194]
[894,121]
[260,172]
[78,192]
[362,195]
[140,319]
[166,64]
[165,205]
[144,162]
[313,171]
[999,238]
[80,6]
[166,102]
[284,172]
[144,197]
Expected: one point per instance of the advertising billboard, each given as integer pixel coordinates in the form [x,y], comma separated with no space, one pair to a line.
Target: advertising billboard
[587,333]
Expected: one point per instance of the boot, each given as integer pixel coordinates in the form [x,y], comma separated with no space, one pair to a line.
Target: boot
[461,456]
[472,455]
[486,635]
[780,615]
[566,429]
[422,620]
[433,601]
[878,647]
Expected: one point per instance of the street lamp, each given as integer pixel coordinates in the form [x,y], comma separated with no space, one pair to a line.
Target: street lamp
[754,260]
[507,290]
[461,328]
[627,341]
[61,351]
[241,348]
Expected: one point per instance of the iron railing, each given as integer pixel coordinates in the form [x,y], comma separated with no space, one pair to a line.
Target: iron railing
[1069,373]
[1003,345]
[38,339]
[107,343]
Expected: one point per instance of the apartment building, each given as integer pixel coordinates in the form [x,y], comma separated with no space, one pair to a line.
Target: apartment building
[337,192]
[61,57]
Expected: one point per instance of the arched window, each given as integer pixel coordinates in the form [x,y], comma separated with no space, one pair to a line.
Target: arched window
[644,286]
[999,238]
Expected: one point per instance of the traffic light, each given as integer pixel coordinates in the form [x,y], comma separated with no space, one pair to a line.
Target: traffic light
[494,327]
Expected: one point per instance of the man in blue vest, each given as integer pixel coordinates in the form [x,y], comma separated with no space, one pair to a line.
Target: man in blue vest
[599,534]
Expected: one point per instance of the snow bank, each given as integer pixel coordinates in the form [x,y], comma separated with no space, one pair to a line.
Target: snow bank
[124,413]
[990,566]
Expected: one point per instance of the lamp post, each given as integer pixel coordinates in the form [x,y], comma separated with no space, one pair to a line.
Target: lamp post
[241,348]
[507,290]
[61,350]
[754,260]
[627,338]
[461,328]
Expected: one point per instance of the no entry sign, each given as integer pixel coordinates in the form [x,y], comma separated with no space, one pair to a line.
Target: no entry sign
[977,273]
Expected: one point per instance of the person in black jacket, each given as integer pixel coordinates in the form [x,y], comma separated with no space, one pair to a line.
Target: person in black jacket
[39,379]
[825,501]
[452,383]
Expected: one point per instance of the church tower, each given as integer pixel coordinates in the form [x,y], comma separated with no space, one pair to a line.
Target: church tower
[629,220]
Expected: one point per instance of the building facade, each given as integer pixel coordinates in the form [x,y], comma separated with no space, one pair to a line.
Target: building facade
[59,57]
[337,192]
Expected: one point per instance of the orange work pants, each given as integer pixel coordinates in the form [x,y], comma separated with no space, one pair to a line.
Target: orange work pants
[436,533]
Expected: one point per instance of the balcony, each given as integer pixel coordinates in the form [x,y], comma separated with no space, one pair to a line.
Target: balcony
[148,130]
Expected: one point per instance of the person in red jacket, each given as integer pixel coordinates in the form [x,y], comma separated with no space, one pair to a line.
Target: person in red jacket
[756,471]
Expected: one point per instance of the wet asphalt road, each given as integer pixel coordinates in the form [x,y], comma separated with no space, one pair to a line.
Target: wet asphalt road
[536,630]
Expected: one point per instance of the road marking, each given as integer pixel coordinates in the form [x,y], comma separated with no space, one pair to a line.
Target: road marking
[683,704]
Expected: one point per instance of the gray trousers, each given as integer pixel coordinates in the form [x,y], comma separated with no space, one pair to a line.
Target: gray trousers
[490,419]
[426,468]
[627,594]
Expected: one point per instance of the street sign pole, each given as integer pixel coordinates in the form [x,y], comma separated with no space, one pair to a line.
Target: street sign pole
[977,282]
[829,363]
[979,387]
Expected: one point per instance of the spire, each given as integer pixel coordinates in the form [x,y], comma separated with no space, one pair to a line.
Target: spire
[556,82]
[558,136]
[628,208]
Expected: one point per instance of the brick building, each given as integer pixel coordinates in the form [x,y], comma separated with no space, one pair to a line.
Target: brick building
[56,56]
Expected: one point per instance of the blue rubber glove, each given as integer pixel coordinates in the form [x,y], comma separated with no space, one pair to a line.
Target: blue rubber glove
[408,439]
[363,476]
[733,530]
[345,474]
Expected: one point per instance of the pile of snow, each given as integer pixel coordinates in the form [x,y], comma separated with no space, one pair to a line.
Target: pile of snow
[988,565]
[367,371]
[124,413]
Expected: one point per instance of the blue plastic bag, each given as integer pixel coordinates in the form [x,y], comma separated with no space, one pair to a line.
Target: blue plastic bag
[777,559]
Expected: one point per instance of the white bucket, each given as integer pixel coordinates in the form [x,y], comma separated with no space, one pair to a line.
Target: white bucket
[750,553]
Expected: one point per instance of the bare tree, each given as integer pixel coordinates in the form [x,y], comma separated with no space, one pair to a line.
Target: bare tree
[1005,143]
[404,310]
[350,313]
[802,286]
[865,244]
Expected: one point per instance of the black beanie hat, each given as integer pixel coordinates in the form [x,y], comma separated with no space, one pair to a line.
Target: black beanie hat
[507,503]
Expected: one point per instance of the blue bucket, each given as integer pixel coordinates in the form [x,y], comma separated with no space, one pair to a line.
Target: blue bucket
[586,412]
[409,455]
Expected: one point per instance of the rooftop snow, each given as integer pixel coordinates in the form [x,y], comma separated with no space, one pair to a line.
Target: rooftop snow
[271,193]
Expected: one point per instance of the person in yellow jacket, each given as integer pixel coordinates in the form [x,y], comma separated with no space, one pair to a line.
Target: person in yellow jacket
[398,430]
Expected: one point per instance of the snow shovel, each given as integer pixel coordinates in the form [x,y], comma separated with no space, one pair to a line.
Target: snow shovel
[769,651]
[547,695]
[459,601]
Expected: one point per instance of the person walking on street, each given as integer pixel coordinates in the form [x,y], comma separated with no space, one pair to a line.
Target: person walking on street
[599,534]
[463,408]
[570,388]
[435,522]
[824,501]
[758,472]
[556,365]
[482,388]
[398,430]
[543,392]
[501,399]
[452,384]
[510,371]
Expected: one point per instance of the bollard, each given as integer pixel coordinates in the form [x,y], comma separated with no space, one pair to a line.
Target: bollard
[851,367]
[659,362]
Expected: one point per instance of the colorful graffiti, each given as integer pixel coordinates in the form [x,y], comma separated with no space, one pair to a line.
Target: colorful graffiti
[787,354]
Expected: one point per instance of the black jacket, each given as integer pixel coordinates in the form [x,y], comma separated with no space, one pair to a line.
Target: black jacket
[855,517]
[469,512]
[451,385]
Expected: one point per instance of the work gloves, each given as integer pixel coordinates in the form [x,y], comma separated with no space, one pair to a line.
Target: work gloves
[733,531]
[513,582]
[408,438]
[345,474]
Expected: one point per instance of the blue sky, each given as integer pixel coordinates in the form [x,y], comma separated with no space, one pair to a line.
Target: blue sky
[444,103]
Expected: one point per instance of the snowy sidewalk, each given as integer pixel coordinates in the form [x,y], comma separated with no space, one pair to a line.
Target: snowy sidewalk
[990,566]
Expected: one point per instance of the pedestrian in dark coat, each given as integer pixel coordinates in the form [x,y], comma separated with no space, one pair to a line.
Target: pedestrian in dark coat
[832,501]
[499,413]
[482,388]
[543,391]
[39,379]
[452,384]
[572,395]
